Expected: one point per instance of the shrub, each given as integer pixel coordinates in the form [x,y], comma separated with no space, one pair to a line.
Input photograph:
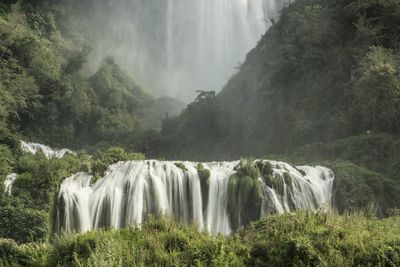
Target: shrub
[21,223]
[32,254]
[103,159]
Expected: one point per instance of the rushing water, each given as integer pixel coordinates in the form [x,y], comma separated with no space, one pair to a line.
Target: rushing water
[47,151]
[34,148]
[132,190]
[8,182]
[187,44]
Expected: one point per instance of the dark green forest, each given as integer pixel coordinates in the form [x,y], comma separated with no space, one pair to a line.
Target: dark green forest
[322,87]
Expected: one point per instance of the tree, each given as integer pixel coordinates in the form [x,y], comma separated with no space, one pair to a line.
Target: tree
[377,89]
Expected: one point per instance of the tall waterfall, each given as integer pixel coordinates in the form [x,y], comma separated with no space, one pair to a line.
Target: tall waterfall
[187,45]
[130,191]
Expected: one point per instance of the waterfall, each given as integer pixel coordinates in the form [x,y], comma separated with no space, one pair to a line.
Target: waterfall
[187,45]
[47,151]
[132,190]
[8,182]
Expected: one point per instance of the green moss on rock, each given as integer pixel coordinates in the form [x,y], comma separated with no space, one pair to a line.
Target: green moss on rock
[204,176]
[181,166]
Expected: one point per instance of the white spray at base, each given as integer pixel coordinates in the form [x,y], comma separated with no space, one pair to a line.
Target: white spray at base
[130,191]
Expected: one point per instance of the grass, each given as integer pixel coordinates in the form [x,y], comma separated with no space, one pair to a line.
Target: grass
[295,239]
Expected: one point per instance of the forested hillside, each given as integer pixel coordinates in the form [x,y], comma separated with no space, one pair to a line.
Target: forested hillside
[322,84]
[49,95]
[325,70]
[321,88]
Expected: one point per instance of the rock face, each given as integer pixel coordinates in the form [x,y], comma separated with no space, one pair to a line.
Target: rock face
[132,190]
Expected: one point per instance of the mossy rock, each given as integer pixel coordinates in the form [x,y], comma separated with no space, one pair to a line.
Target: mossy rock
[181,166]
[247,167]
[245,188]
[267,169]
[233,201]
[277,184]
[268,180]
[288,179]
[204,176]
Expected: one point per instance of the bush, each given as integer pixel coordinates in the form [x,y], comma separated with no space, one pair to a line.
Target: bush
[21,223]
[318,239]
[356,188]
[103,159]
[159,242]
[40,177]
[32,254]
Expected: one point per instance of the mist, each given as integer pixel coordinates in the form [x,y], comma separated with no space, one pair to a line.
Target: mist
[175,47]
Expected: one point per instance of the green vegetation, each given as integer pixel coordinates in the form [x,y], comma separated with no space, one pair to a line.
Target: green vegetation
[181,166]
[103,159]
[297,239]
[244,196]
[356,188]
[27,214]
[21,223]
[47,92]
[204,175]
[322,86]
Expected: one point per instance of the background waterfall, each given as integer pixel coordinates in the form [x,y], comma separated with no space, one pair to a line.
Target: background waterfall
[132,190]
[186,45]
[46,150]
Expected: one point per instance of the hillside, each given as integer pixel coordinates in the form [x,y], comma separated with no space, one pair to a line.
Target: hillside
[48,93]
[324,71]
[296,162]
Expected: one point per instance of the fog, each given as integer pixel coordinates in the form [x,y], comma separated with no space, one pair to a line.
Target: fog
[175,47]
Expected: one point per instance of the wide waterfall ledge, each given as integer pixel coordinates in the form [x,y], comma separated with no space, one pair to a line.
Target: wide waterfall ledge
[218,197]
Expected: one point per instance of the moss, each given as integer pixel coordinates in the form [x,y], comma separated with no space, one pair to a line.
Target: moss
[247,167]
[204,176]
[267,169]
[104,158]
[181,166]
[232,204]
[277,184]
[288,179]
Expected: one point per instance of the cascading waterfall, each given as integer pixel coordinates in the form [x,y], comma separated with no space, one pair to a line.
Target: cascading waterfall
[130,191]
[47,151]
[34,148]
[8,182]
[187,45]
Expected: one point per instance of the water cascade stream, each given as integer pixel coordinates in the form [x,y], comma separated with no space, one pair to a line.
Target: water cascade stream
[49,152]
[187,45]
[34,148]
[130,191]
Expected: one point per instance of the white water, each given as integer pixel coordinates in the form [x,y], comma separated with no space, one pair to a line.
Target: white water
[131,190]
[8,182]
[47,151]
[187,44]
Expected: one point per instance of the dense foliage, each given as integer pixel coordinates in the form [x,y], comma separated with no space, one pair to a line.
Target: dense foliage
[322,86]
[298,239]
[49,94]
[324,71]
